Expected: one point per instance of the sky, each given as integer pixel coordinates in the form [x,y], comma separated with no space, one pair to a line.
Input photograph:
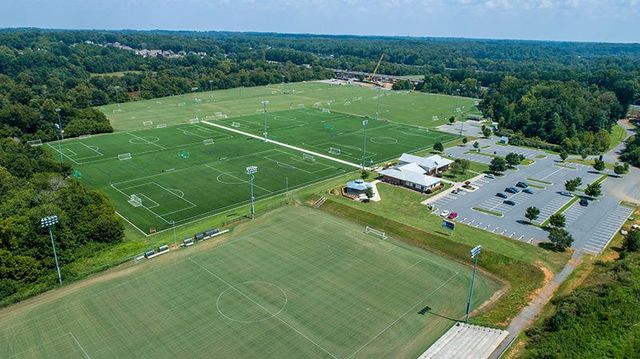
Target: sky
[562,20]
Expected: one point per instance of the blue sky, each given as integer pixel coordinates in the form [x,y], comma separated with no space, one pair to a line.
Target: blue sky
[575,20]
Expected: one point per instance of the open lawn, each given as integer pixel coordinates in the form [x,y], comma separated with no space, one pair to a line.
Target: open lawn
[294,283]
[185,172]
[413,108]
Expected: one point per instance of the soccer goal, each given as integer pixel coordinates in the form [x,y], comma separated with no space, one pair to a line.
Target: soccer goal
[435,118]
[147,123]
[194,120]
[162,125]
[208,141]
[135,200]
[326,110]
[34,143]
[124,156]
[375,232]
[334,151]
[235,124]
[307,157]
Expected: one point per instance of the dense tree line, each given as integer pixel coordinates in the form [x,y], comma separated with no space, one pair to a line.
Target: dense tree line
[33,186]
[631,153]
[600,318]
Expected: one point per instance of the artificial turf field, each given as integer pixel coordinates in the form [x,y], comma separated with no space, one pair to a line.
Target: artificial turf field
[188,171]
[295,283]
[413,108]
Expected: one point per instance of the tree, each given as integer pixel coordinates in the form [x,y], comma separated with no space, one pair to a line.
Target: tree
[486,132]
[632,241]
[532,213]
[438,147]
[572,184]
[593,190]
[460,165]
[564,155]
[368,192]
[560,238]
[598,165]
[465,140]
[476,145]
[513,159]
[557,220]
[498,165]
[584,154]
[621,169]
[452,119]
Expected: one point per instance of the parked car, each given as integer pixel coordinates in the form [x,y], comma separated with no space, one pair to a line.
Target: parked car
[565,193]
[455,191]
[584,202]
[509,202]
[528,190]
[522,184]
[502,195]
[444,213]
[489,175]
[453,215]
[511,190]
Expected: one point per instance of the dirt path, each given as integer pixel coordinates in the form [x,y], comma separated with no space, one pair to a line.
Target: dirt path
[529,313]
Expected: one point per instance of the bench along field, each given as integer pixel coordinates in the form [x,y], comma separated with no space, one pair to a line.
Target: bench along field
[166,175]
[413,108]
[296,283]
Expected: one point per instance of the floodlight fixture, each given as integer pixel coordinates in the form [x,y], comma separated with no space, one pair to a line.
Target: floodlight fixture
[251,170]
[475,253]
[48,222]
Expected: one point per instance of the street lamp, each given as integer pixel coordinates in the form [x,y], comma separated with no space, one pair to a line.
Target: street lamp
[48,222]
[251,170]
[264,110]
[61,136]
[475,252]
[364,143]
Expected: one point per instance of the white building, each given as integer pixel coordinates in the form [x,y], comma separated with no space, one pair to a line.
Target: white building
[431,165]
[410,175]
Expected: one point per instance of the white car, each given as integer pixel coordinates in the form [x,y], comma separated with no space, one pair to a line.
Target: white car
[444,213]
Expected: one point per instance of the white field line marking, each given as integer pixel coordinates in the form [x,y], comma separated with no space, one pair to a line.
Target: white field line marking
[64,154]
[261,306]
[79,345]
[238,178]
[146,141]
[93,149]
[402,316]
[283,144]
[39,345]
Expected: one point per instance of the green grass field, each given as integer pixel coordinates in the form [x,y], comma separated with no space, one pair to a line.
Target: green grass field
[295,283]
[413,108]
[185,172]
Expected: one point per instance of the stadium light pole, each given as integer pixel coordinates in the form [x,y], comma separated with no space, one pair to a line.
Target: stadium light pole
[378,102]
[264,110]
[175,238]
[251,170]
[61,137]
[48,222]
[475,252]
[364,142]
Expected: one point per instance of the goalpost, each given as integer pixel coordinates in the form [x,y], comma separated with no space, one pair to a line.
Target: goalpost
[307,157]
[235,124]
[147,123]
[375,232]
[135,200]
[326,110]
[124,156]
[208,141]
[334,151]
[34,143]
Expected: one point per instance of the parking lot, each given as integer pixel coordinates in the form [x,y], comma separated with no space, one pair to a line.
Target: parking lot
[591,227]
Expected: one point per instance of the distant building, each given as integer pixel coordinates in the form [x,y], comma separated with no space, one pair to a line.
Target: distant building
[410,175]
[504,139]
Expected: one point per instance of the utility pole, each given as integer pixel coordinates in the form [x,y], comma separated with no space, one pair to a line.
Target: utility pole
[48,222]
[475,252]
[251,170]
[364,142]
[61,136]
[264,111]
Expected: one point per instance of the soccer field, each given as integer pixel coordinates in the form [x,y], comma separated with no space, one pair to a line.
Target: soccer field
[413,108]
[182,173]
[295,283]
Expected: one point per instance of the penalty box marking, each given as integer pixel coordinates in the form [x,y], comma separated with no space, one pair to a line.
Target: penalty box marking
[161,215]
[291,157]
[53,341]
[237,178]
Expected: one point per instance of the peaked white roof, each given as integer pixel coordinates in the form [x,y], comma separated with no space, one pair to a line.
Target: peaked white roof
[428,163]
[410,172]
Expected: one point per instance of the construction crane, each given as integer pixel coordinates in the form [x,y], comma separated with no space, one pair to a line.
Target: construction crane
[375,70]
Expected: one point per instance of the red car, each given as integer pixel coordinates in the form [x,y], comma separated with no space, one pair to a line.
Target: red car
[453,215]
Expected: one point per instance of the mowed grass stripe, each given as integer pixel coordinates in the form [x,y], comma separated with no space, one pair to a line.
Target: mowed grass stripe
[350,293]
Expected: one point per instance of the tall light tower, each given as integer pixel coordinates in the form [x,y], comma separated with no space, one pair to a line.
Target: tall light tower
[378,102]
[264,111]
[61,136]
[475,252]
[251,170]
[364,142]
[48,222]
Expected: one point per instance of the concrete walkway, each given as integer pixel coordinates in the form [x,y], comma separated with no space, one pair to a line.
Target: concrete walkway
[526,317]
[283,144]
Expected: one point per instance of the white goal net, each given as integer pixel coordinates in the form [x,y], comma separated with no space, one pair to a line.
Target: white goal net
[235,124]
[326,110]
[194,120]
[307,157]
[124,156]
[208,141]
[34,143]
[147,123]
[334,151]
[375,232]
[135,200]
